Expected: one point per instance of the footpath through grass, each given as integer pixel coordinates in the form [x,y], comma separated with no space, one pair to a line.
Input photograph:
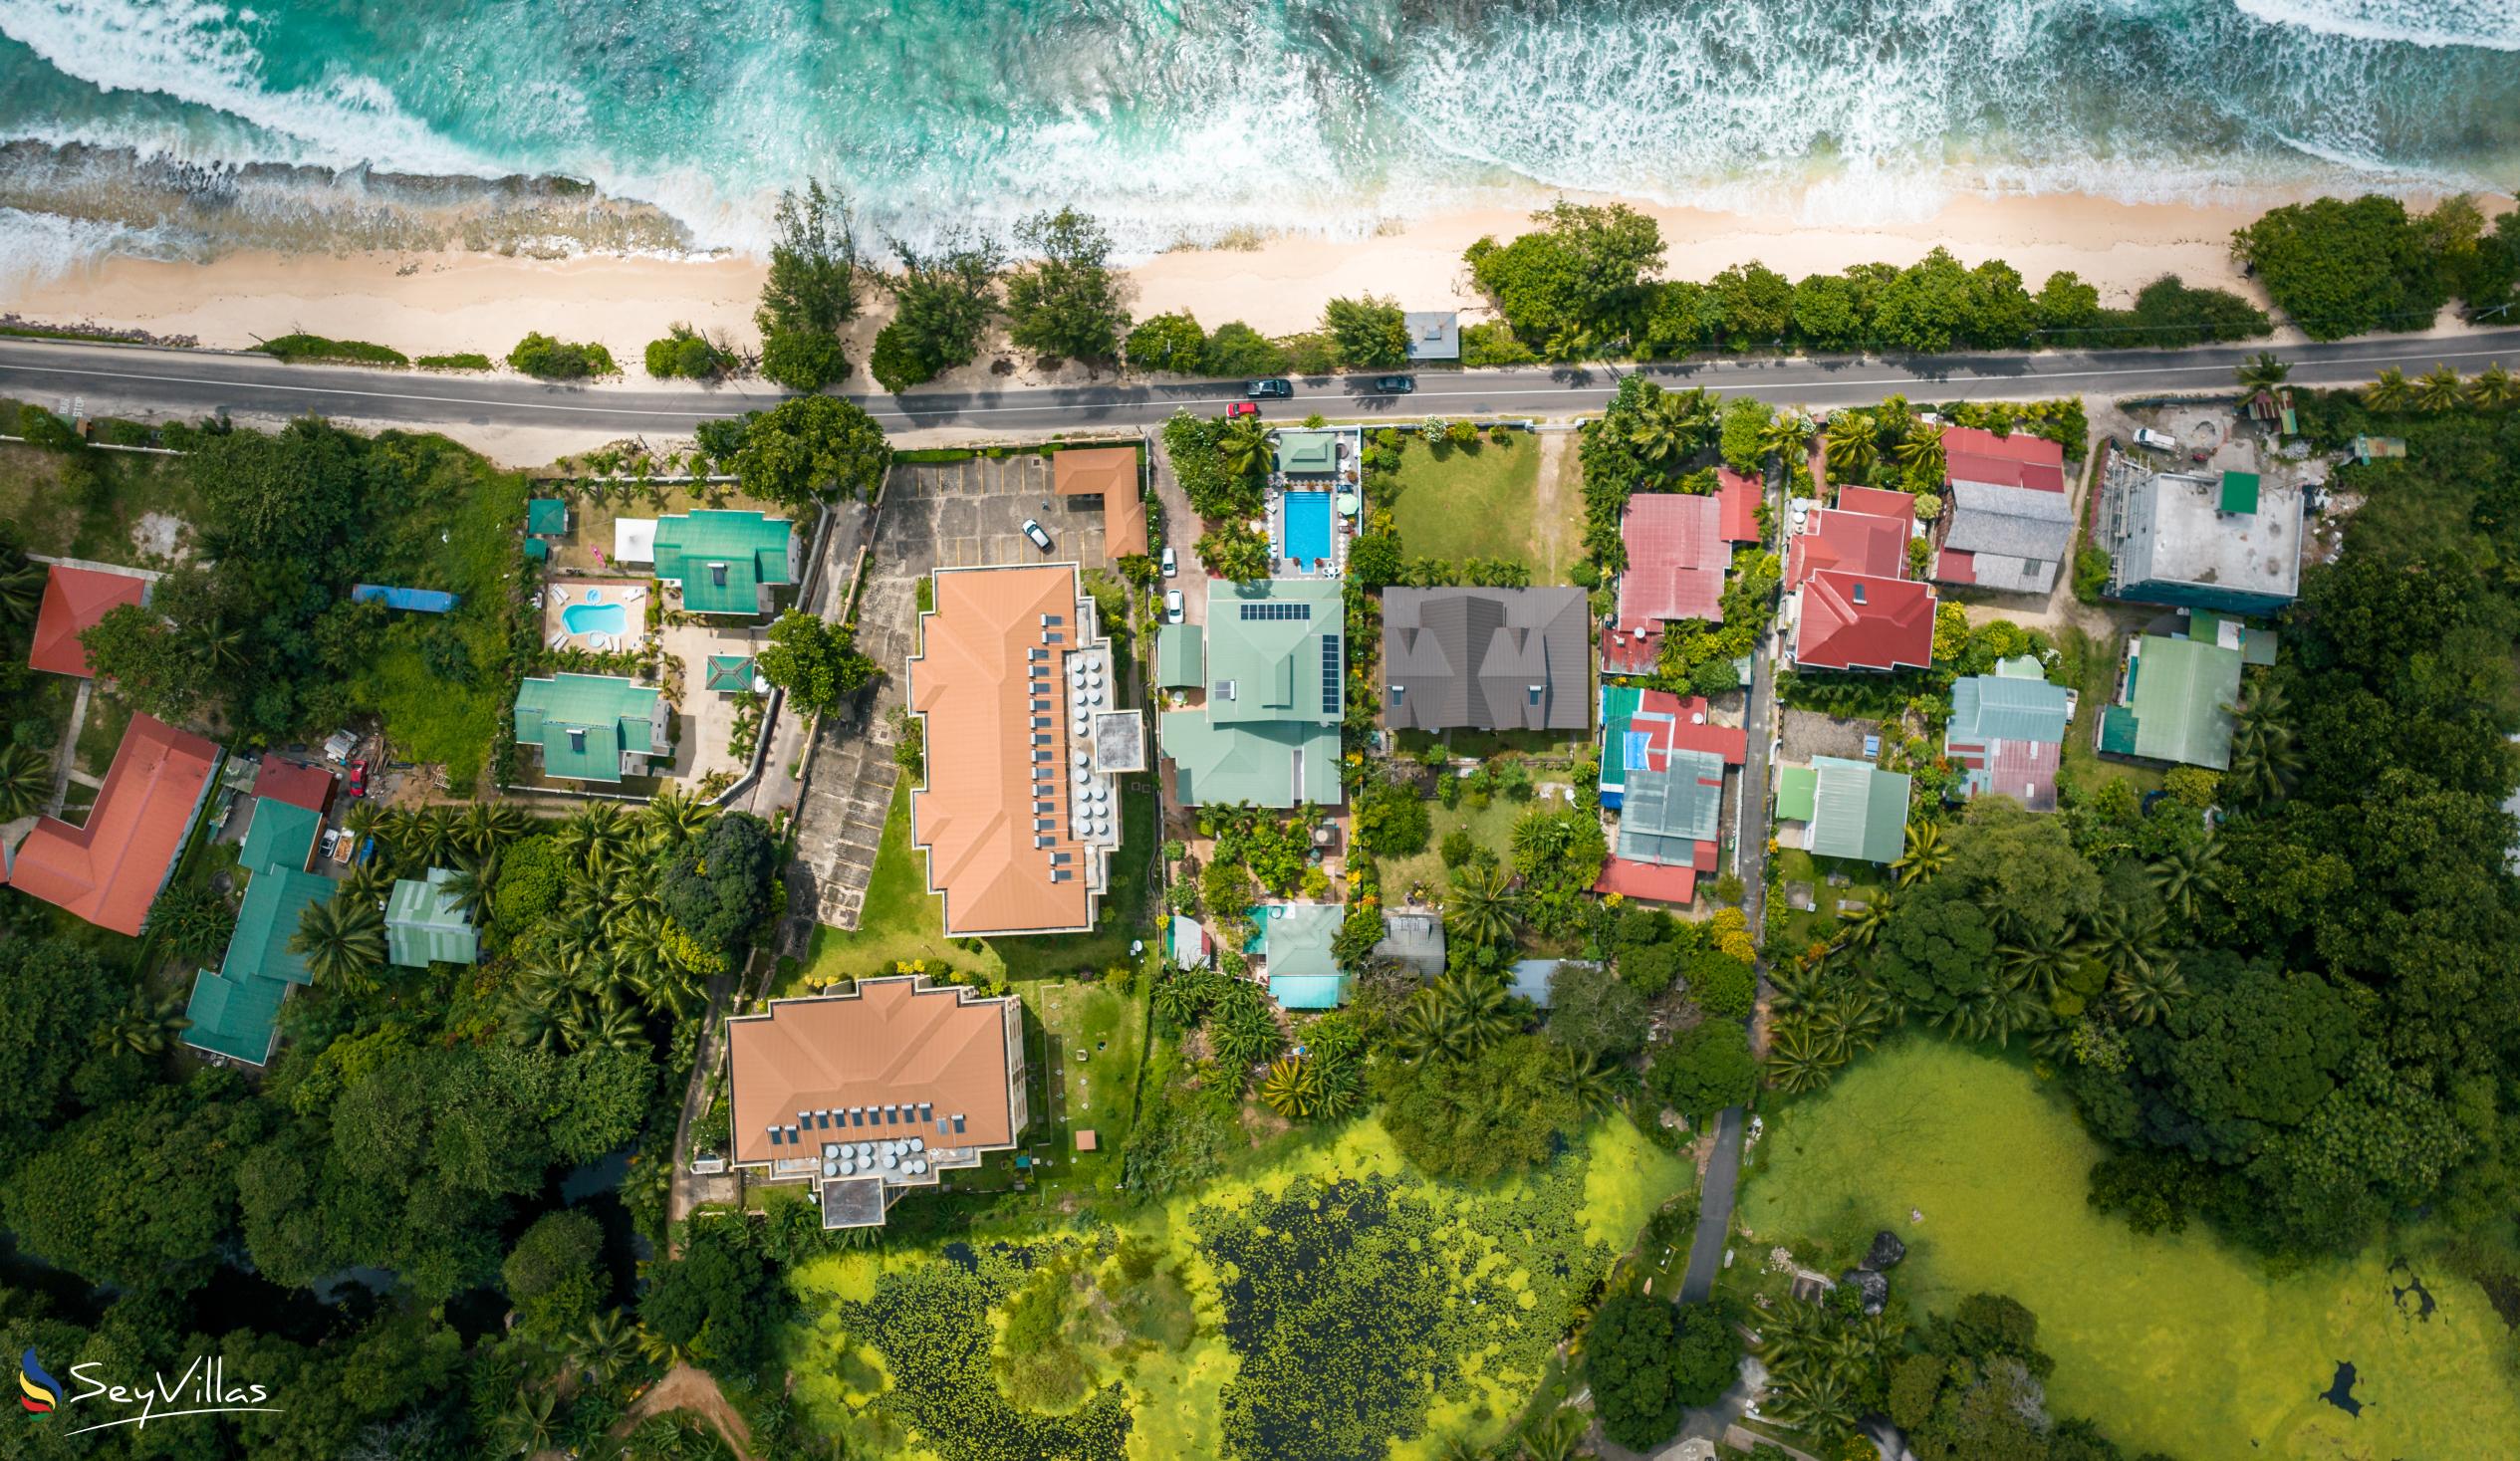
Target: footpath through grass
[2176,1343]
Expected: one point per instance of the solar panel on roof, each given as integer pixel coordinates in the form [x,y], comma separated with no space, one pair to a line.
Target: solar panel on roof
[1275,611]
[1329,670]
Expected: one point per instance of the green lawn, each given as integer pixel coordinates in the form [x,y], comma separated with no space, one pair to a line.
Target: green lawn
[1865,880]
[2096,683]
[1493,827]
[2175,1343]
[1461,502]
[1087,1040]
[61,512]
[101,734]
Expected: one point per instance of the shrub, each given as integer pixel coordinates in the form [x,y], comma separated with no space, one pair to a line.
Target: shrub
[546,359]
[1369,331]
[2346,268]
[2090,574]
[683,354]
[1459,847]
[463,360]
[802,360]
[1390,821]
[1492,344]
[2194,786]
[1704,1070]
[1235,349]
[344,351]
[1631,1352]
[1309,354]
[1721,985]
[1172,343]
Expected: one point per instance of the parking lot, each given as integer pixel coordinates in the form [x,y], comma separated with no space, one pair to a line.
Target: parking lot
[962,514]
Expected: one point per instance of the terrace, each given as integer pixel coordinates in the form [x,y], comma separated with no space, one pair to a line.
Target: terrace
[1314,501]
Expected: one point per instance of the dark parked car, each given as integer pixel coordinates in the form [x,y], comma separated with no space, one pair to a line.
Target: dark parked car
[1274,388]
[1394,385]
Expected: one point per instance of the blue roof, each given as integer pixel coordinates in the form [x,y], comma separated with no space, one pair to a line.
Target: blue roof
[1531,979]
[424,600]
[1309,991]
[2006,708]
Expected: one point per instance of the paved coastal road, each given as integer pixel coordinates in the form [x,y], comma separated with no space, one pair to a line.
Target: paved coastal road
[129,381]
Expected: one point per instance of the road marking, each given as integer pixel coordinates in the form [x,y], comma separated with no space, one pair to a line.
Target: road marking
[1075,407]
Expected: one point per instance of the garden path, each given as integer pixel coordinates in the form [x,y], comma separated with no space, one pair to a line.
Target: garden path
[696,1390]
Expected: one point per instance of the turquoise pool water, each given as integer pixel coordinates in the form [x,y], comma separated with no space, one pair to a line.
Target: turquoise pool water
[1307,526]
[593,618]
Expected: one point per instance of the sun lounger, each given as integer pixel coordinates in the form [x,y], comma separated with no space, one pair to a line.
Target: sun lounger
[560,638]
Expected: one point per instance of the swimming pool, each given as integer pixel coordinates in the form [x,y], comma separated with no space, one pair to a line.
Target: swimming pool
[593,619]
[1307,527]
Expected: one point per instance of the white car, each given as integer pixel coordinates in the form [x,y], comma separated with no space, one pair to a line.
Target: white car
[2151,439]
[1171,564]
[1032,530]
[1173,605]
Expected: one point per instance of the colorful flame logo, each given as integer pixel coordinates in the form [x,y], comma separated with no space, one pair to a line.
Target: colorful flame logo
[38,1391]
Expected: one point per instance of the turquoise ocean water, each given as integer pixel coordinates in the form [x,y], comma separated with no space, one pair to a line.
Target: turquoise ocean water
[183,126]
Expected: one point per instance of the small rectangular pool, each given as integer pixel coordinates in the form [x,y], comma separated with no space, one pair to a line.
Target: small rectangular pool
[593,619]
[1307,520]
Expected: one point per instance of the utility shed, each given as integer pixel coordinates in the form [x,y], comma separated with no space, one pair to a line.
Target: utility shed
[423,927]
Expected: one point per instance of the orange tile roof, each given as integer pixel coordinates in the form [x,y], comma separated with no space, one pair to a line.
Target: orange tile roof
[976,818]
[73,600]
[1109,473]
[894,1042]
[110,871]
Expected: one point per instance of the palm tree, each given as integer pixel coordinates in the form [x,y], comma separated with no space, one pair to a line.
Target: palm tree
[369,881]
[367,817]
[1672,425]
[1483,906]
[1817,1403]
[144,1027]
[2040,962]
[1476,1010]
[534,1020]
[675,816]
[1853,447]
[1794,986]
[22,582]
[26,781]
[2186,875]
[1863,924]
[2494,387]
[607,1026]
[1920,451]
[2125,941]
[1555,1436]
[1786,436]
[342,941]
[592,828]
[1595,1085]
[2440,390]
[1291,1088]
[431,837]
[1799,1059]
[1925,855]
[604,1346]
[665,988]
[467,889]
[2264,760]
[2147,992]
[1180,999]
[1246,446]
[2390,391]
[476,830]
[2260,371]
[194,922]
[528,1424]
[656,1349]
[1247,1035]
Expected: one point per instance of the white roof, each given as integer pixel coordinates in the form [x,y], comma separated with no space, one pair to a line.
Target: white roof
[635,540]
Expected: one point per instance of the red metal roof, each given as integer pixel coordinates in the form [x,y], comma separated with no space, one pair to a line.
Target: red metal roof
[1956,565]
[1677,557]
[2018,460]
[1840,541]
[73,600]
[1633,649]
[2026,772]
[310,786]
[110,871]
[1651,881]
[1859,622]
[1878,502]
[1702,857]
[1676,724]
[1739,498]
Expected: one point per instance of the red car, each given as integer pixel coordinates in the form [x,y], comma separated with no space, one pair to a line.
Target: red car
[358,778]
[1243,408]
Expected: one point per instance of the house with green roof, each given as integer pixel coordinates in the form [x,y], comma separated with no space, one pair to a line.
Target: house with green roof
[1180,658]
[2007,732]
[2173,703]
[235,1008]
[424,925]
[725,562]
[1307,453]
[1275,686]
[592,727]
[1295,940]
[1848,809]
[279,834]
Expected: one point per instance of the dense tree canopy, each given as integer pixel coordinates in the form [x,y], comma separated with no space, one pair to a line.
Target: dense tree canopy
[812,450]
[717,888]
[1630,1359]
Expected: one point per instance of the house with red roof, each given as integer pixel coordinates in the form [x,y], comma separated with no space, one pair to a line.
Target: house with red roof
[110,871]
[1663,766]
[1679,547]
[1988,460]
[310,786]
[73,600]
[1849,596]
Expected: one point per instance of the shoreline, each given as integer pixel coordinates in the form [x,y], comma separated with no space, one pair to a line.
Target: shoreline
[443,302]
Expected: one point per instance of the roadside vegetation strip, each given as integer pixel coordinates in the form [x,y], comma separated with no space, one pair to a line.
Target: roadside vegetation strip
[316,348]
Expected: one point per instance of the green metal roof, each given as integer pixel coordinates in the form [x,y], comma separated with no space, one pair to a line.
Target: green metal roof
[722,558]
[729,673]
[1180,658]
[1309,991]
[2239,492]
[423,927]
[1860,811]
[2178,697]
[2116,730]
[279,835]
[1307,453]
[235,1018]
[1619,708]
[586,722]
[1276,682]
[546,517]
[2002,707]
[1797,788]
[1296,938]
[1667,813]
[235,1009]
[537,550]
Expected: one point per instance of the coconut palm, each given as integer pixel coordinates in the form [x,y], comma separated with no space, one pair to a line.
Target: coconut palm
[1672,425]
[1291,1088]
[2390,391]
[1815,1400]
[194,922]
[604,1346]
[1861,925]
[595,827]
[145,1026]
[508,821]
[22,582]
[2040,962]
[1342,1091]
[342,941]
[1798,1058]
[1853,446]
[656,1349]
[467,889]
[675,816]
[26,781]
[1794,986]
[528,1424]
[2183,877]
[1926,855]
[1595,1085]
[476,830]
[663,987]
[2260,371]
[1920,451]
[2264,760]
[1786,436]
[431,838]
[1483,906]
[1178,998]
[534,1020]
[603,1025]
[369,881]
[1849,1021]
[2440,390]
[1477,1009]
[1246,446]
[2125,940]
[1556,1436]
[2147,992]
[2494,387]
[367,817]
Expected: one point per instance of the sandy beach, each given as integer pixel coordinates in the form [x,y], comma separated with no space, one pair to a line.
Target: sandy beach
[444,303]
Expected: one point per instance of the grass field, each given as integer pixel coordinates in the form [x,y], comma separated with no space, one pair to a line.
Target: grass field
[1091,1043]
[1493,827]
[1865,880]
[1473,502]
[2178,1342]
[89,510]
[2097,682]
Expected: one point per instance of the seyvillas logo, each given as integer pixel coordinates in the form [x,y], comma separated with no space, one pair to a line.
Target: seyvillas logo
[38,1391]
[203,1390]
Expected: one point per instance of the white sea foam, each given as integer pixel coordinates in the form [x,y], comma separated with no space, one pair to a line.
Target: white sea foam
[2492,24]
[38,248]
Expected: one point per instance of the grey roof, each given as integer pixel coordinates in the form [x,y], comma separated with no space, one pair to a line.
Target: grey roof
[1531,979]
[2170,542]
[2018,535]
[1415,939]
[1490,659]
[1433,334]
[1666,814]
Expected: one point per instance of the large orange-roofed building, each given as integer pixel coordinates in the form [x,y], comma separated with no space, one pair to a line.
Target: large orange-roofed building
[1014,684]
[110,871]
